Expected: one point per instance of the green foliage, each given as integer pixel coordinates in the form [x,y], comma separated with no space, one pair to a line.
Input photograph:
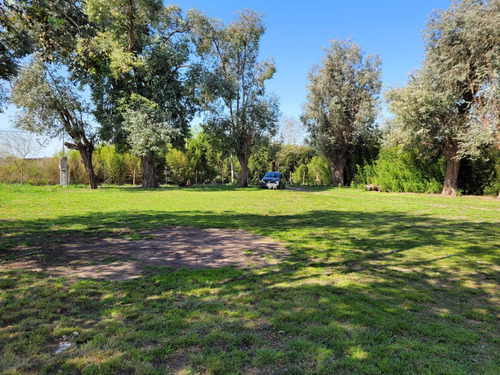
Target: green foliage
[363,175]
[263,160]
[144,89]
[462,49]
[341,102]
[204,159]
[278,157]
[179,167]
[200,163]
[36,172]
[147,126]
[300,176]
[50,103]
[116,168]
[315,173]
[14,45]
[403,171]
[450,104]
[111,167]
[318,171]
[239,114]
[482,175]
[77,173]
[290,157]
[362,157]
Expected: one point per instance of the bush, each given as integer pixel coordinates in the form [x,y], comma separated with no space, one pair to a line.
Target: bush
[112,167]
[480,176]
[41,171]
[179,167]
[493,185]
[300,176]
[404,171]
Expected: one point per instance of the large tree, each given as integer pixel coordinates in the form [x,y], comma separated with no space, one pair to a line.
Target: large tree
[144,97]
[239,113]
[48,89]
[450,105]
[53,29]
[341,104]
[50,104]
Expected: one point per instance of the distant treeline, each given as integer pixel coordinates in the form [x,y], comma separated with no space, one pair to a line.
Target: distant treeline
[389,168]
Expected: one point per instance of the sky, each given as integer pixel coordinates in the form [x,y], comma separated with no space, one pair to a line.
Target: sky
[297,31]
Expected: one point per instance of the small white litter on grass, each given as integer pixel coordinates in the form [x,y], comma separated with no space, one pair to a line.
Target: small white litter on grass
[63,346]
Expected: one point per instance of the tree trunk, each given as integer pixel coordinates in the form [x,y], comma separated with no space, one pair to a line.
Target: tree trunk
[149,179]
[450,151]
[243,159]
[86,156]
[338,166]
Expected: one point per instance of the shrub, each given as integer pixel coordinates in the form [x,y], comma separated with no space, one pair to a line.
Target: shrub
[319,172]
[179,167]
[300,176]
[404,171]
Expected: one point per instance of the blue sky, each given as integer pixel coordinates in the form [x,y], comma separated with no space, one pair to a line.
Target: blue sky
[298,30]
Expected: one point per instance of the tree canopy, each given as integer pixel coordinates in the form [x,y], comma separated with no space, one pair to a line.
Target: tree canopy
[451,104]
[147,89]
[50,104]
[341,103]
[238,112]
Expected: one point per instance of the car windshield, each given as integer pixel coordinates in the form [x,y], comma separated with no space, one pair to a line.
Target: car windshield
[272,174]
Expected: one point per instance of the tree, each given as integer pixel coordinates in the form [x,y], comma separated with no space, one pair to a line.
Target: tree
[341,103]
[145,90]
[18,146]
[50,104]
[239,114]
[450,105]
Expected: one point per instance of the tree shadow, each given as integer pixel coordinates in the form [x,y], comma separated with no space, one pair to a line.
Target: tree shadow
[382,292]
[317,236]
[381,321]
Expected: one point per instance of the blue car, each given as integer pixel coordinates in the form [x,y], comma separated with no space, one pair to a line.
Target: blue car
[274,180]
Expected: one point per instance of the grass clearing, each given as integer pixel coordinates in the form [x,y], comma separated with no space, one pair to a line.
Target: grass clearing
[375,283]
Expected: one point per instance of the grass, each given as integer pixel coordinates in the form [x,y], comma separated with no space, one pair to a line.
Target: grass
[375,283]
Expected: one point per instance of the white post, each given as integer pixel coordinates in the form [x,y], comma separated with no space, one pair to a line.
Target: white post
[63,168]
[232,169]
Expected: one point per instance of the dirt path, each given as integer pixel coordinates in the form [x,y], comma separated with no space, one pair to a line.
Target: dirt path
[182,247]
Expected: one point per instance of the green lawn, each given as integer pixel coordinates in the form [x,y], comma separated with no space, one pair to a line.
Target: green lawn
[375,283]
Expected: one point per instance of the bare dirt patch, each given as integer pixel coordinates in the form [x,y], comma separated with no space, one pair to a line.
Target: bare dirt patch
[126,258]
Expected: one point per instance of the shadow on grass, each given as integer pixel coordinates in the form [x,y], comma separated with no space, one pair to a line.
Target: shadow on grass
[353,237]
[192,188]
[360,293]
